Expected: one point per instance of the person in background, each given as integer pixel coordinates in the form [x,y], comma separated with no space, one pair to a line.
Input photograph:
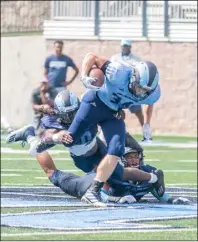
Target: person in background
[128,57]
[42,98]
[56,67]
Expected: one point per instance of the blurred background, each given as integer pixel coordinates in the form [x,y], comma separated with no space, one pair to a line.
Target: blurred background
[164,32]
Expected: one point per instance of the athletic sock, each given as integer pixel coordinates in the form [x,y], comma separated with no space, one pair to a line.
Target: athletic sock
[31,139]
[96,186]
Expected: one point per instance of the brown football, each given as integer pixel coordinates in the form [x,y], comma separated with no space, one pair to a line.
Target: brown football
[99,75]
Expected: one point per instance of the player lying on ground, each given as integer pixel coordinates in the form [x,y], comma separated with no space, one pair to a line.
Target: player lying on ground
[87,153]
[115,191]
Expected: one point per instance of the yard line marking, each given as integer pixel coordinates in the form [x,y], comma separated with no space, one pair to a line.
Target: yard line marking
[169,144]
[27,170]
[33,195]
[186,184]
[15,151]
[98,232]
[187,161]
[41,178]
[180,171]
[4,174]
[27,159]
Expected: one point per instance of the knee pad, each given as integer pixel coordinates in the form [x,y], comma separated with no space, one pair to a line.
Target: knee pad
[116,146]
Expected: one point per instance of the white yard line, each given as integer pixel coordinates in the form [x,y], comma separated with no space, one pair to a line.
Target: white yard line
[188,161]
[15,185]
[27,159]
[4,174]
[98,232]
[178,184]
[195,171]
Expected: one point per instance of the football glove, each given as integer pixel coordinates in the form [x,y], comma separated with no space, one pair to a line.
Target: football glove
[87,82]
[179,201]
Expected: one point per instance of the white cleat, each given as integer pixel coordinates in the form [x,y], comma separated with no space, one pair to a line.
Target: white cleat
[93,198]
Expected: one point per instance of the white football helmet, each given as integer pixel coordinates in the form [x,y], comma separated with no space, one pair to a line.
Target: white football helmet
[144,79]
[66,104]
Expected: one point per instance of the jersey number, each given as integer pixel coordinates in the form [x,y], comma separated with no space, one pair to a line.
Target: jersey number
[115,98]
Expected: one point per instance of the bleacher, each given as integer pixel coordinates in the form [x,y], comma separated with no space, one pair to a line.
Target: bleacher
[122,19]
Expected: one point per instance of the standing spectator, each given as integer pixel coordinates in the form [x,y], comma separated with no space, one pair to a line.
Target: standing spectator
[127,56]
[56,66]
[42,98]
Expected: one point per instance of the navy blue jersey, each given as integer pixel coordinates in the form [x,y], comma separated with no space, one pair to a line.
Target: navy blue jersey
[136,189]
[51,122]
[84,144]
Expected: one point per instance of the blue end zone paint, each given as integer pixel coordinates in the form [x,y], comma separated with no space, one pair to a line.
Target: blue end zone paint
[97,218]
[125,217]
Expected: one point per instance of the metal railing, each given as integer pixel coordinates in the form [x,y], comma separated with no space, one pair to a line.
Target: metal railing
[159,20]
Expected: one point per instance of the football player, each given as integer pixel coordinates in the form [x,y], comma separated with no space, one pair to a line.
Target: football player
[123,86]
[86,154]
[115,191]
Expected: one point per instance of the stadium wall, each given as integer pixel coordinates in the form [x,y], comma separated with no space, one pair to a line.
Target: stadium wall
[176,113]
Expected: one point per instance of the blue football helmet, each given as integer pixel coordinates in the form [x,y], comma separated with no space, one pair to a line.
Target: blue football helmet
[66,105]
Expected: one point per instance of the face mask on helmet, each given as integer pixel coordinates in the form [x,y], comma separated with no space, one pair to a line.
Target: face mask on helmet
[144,79]
[66,104]
[132,158]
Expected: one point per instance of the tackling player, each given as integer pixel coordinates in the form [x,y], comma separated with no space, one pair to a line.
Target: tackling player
[116,191]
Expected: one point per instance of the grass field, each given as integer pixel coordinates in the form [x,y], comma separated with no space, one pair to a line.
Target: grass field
[179,165]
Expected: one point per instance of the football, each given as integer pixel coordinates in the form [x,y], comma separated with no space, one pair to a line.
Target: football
[98,75]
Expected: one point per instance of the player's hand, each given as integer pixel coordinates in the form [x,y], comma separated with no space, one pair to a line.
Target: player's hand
[65,137]
[46,109]
[127,199]
[179,201]
[87,82]
[120,114]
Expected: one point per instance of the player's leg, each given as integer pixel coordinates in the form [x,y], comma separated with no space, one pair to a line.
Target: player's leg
[114,133]
[72,184]
[92,111]
[21,134]
[46,163]
[89,162]
[148,111]
[27,134]
[137,110]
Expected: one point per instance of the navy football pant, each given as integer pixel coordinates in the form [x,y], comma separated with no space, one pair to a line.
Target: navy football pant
[77,186]
[93,111]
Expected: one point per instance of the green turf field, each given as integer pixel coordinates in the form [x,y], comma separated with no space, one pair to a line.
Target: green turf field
[179,165]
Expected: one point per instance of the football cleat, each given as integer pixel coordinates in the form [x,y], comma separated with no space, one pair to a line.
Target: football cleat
[93,198]
[20,134]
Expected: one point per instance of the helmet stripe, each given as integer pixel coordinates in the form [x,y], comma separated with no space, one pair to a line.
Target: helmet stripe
[152,70]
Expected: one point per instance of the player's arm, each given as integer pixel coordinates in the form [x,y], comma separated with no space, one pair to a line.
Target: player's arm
[89,61]
[171,200]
